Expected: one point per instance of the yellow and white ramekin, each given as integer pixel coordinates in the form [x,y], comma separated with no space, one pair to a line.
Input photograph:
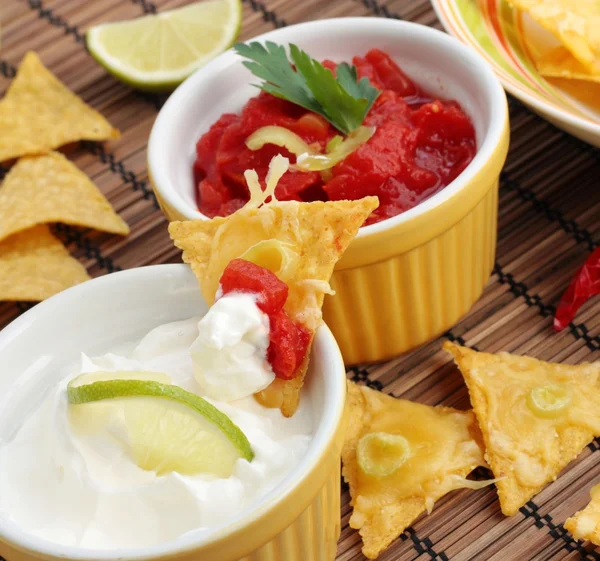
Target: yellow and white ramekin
[298,521]
[407,279]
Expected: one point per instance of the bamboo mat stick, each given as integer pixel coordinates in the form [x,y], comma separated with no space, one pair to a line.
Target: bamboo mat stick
[548,222]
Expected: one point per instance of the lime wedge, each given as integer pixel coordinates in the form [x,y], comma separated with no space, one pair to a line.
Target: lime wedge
[381,454]
[549,401]
[157,52]
[165,427]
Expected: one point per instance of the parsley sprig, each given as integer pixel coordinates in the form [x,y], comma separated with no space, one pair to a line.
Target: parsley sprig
[343,99]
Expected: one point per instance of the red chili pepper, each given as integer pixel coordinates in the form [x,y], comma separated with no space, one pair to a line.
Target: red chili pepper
[584,285]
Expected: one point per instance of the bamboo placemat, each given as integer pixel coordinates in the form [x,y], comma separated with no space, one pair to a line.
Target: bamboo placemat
[549,221]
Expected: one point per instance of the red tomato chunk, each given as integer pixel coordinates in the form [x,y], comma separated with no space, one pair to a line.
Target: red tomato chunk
[288,340]
[288,345]
[244,276]
[420,145]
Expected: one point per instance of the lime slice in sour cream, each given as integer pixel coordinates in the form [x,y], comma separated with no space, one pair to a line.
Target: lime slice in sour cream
[165,428]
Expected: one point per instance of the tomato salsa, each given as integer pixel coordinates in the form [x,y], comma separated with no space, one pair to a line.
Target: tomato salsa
[419,146]
[288,340]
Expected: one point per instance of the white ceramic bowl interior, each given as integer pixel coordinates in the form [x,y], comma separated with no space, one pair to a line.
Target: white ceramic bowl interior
[439,63]
[115,309]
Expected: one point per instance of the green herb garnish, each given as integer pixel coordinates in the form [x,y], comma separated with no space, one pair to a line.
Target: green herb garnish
[343,100]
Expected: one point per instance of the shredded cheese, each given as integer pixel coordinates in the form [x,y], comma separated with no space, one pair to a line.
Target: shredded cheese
[256,192]
[464,483]
[318,285]
[277,167]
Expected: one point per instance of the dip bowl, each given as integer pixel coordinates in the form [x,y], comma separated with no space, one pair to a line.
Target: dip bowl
[299,520]
[404,280]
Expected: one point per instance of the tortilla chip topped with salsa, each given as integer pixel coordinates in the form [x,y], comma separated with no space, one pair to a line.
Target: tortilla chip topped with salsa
[299,242]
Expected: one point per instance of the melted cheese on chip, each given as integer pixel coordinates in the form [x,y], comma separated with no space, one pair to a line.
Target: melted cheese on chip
[585,525]
[443,449]
[535,417]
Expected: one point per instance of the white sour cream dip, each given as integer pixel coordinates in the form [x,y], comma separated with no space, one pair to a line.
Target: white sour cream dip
[79,492]
[230,353]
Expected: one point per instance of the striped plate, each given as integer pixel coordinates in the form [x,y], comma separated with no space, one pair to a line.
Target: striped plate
[511,42]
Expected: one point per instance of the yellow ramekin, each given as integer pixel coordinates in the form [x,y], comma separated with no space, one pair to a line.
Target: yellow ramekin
[298,521]
[409,278]
[409,283]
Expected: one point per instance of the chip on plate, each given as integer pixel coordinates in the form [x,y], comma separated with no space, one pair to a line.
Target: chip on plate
[400,457]
[560,63]
[585,524]
[49,188]
[34,265]
[312,236]
[576,24]
[535,417]
[39,113]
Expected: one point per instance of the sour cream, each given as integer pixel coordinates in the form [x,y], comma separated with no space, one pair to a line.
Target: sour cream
[230,353]
[89,493]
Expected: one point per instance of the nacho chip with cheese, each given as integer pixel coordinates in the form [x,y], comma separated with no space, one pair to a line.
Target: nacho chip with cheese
[49,188]
[535,417]
[585,524]
[299,242]
[34,265]
[39,113]
[400,457]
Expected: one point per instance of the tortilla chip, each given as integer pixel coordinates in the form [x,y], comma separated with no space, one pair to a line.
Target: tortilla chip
[34,265]
[318,232]
[585,524]
[560,63]
[526,448]
[39,114]
[445,445]
[43,189]
[576,24]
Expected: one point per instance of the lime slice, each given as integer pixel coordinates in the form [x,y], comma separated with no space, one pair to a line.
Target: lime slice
[157,52]
[165,427]
[549,401]
[381,454]
[104,376]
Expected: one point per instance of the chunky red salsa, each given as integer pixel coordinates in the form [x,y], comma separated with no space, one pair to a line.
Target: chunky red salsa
[419,146]
[288,340]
